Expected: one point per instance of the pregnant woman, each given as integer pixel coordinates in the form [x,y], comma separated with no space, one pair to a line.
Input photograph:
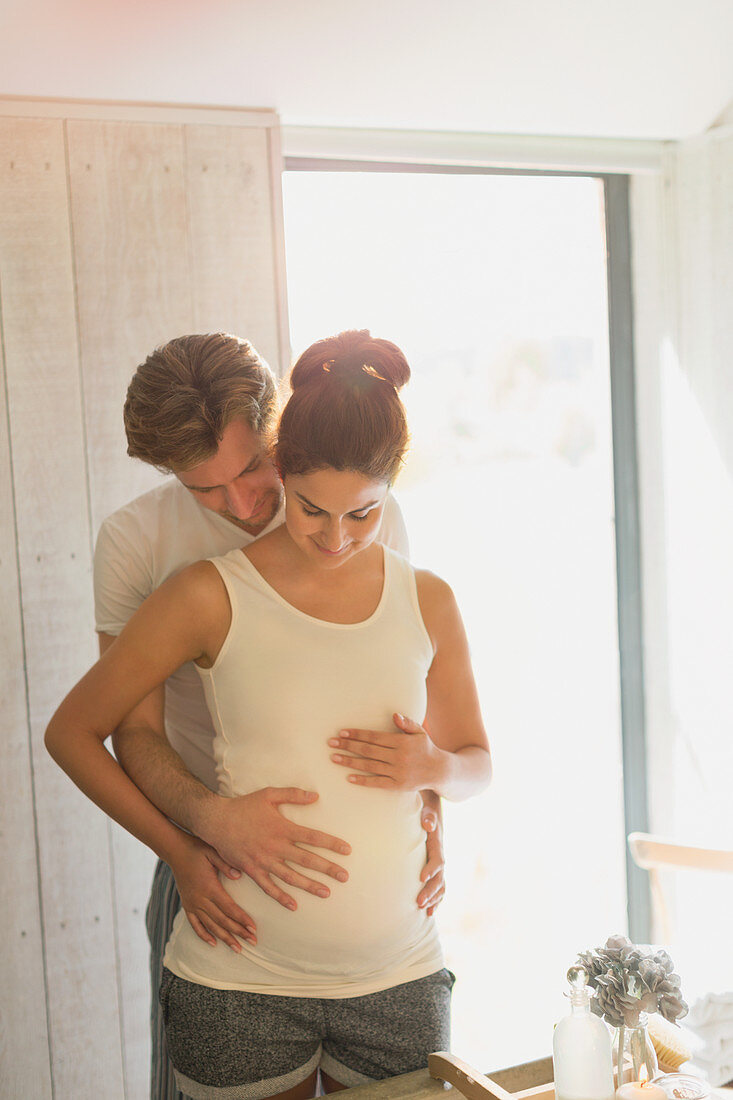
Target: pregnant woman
[314,626]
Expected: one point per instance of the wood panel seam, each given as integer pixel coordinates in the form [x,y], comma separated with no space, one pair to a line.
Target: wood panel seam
[26,690]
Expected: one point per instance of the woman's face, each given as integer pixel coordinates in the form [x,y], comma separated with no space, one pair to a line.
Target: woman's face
[332,515]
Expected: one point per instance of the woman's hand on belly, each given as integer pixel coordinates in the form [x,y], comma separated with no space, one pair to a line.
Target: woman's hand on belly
[401,760]
[211,912]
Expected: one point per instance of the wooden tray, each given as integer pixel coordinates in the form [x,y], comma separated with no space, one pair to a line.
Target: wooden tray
[446,1073]
[530,1081]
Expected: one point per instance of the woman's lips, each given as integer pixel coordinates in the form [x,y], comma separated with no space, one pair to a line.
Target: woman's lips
[331,553]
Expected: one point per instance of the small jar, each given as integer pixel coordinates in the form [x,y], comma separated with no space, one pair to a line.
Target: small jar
[683,1086]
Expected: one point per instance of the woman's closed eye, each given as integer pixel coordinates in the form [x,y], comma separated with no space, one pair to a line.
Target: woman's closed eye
[358,516]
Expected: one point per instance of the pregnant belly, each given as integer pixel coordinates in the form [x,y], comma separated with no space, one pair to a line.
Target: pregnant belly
[369,921]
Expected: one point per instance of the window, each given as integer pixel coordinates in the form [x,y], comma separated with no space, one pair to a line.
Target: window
[495,287]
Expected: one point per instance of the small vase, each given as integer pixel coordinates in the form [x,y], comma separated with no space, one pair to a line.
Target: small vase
[634,1056]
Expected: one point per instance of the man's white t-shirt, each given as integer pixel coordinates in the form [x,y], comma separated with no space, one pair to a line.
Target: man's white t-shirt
[152,538]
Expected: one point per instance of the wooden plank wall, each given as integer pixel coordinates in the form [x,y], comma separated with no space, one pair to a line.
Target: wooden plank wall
[24,1037]
[115,235]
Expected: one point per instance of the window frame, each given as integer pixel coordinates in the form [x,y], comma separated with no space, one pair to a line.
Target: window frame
[625,482]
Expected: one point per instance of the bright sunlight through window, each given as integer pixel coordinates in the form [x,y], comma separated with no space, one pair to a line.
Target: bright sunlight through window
[495,287]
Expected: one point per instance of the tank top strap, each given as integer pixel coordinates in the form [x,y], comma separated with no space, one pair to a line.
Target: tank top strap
[401,591]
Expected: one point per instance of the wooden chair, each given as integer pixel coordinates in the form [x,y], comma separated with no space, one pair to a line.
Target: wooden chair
[655,854]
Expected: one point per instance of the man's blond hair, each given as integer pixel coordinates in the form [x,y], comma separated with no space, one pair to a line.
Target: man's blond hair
[188,391]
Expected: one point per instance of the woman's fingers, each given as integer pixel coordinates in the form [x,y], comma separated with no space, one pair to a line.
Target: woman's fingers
[210,929]
[201,932]
[403,759]
[371,767]
[237,921]
[381,781]
[214,928]
[360,762]
[354,739]
[223,866]
[370,759]
[214,915]
[406,724]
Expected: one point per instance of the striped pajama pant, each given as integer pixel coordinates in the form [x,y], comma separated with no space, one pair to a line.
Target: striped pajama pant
[163,905]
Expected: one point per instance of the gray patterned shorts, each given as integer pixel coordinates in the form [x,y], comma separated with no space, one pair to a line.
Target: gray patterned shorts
[227,1044]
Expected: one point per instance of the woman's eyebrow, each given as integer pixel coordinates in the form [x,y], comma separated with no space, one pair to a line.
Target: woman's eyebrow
[317,507]
[305,500]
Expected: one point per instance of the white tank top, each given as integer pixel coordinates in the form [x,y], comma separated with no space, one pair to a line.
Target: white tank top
[283,683]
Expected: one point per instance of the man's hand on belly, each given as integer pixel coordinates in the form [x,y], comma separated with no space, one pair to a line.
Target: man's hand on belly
[251,834]
[433,888]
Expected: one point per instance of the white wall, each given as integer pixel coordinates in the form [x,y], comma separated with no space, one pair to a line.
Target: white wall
[683,251]
[657,69]
[115,235]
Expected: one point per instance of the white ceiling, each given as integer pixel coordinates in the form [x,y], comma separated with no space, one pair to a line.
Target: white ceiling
[660,69]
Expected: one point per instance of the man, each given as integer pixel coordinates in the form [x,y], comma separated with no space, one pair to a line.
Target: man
[201,408]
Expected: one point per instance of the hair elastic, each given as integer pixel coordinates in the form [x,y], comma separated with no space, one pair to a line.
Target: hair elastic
[373,373]
[366,367]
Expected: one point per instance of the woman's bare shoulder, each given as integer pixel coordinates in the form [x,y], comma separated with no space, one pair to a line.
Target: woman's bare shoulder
[433,588]
[199,588]
[438,605]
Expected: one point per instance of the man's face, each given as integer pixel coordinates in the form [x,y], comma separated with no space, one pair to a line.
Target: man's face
[238,482]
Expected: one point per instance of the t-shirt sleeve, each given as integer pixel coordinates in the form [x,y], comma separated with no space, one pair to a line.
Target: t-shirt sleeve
[122,576]
[393,532]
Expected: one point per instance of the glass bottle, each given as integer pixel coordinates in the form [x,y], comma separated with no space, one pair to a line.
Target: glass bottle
[581,1048]
[634,1056]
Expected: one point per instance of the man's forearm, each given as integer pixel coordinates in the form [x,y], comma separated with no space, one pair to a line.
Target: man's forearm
[160,773]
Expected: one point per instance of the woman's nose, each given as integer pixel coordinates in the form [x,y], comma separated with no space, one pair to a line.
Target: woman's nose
[334,535]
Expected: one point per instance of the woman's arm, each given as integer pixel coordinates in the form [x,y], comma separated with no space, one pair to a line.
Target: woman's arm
[152,645]
[185,619]
[450,754]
